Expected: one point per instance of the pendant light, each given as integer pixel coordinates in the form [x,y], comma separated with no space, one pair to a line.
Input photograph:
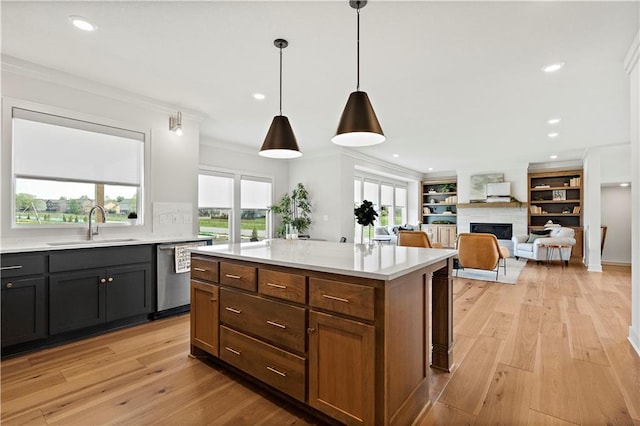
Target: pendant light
[359,125]
[280,141]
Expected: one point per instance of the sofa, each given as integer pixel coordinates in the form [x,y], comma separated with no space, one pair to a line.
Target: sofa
[533,246]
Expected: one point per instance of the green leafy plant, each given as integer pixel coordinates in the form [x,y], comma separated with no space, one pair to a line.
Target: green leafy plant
[365,214]
[294,209]
[132,215]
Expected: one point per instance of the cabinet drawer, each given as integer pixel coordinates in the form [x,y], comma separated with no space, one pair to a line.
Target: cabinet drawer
[204,269]
[240,276]
[280,324]
[282,285]
[21,264]
[280,369]
[349,299]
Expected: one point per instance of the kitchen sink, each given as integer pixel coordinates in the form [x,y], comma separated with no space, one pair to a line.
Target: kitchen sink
[73,243]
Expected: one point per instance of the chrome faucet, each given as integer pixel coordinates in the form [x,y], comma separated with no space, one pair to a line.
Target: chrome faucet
[104,219]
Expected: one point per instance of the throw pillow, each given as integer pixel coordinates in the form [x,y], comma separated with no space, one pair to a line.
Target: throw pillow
[544,232]
[533,237]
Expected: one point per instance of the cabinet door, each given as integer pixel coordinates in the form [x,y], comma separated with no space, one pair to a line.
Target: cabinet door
[23,310]
[204,316]
[341,368]
[128,291]
[447,235]
[76,300]
[432,233]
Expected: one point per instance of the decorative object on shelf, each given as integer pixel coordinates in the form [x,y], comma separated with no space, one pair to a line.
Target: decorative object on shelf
[280,141]
[295,211]
[358,125]
[478,185]
[559,194]
[365,215]
[133,218]
[175,124]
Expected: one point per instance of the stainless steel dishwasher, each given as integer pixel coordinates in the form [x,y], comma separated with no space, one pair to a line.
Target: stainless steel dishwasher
[173,294]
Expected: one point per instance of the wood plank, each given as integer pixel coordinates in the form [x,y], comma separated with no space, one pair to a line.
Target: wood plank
[536,418]
[585,344]
[555,385]
[606,405]
[452,415]
[470,382]
[496,409]
[625,365]
[522,344]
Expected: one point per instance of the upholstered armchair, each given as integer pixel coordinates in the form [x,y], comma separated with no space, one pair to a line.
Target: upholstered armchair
[416,239]
[533,246]
[481,251]
[383,234]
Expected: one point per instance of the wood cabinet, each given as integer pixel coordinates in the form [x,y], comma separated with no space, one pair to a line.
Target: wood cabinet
[23,294]
[341,368]
[444,234]
[354,349]
[439,199]
[557,196]
[205,316]
[103,292]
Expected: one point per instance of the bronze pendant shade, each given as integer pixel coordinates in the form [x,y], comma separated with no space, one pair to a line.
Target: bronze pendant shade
[359,125]
[280,141]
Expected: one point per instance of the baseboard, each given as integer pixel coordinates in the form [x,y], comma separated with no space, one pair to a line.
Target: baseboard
[634,339]
[611,263]
[616,266]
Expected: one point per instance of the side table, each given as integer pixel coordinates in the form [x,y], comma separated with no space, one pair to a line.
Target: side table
[550,250]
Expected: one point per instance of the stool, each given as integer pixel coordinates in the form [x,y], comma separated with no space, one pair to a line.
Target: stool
[551,248]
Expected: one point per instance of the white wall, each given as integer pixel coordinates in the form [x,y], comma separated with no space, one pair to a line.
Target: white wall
[632,67]
[615,164]
[591,216]
[172,169]
[616,216]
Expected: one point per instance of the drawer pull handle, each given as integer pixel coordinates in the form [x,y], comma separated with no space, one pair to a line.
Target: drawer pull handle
[103,280]
[275,324]
[311,330]
[273,370]
[235,277]
[235,311]
[8,268]
[9,285]
[110,279]
[233,351]
[199,269]
[339,299]
[213,299]
[277,285]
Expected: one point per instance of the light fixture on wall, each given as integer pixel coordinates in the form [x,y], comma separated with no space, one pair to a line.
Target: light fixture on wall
[175,124]
[358,125]
[280,141]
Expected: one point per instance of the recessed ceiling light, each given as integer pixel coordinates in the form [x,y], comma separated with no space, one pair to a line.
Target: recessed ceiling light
[82,23]
[430,168]
[553,67]
[553,157]
[553,120]
[553,135]
[624,184]
[259,96]
[396,155]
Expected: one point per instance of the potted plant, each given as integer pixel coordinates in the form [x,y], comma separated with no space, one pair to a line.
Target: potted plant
[295,212]
[365,216]
[133,218]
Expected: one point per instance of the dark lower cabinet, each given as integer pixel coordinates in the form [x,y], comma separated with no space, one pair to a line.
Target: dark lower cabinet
[85,298]
[23,310]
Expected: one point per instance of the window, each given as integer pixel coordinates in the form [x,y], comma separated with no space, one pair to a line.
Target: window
[388,198]
[62,167]
[215,206]
[233,207]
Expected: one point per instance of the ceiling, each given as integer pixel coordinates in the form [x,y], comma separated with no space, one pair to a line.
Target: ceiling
[454,84]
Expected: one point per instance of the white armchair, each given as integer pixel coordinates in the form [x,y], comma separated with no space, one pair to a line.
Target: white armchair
[384,234]
[534,246]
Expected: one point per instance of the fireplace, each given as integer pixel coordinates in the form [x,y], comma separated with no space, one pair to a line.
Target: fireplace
[502,231]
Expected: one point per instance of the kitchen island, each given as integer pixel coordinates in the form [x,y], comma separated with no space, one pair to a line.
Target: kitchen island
[341,328]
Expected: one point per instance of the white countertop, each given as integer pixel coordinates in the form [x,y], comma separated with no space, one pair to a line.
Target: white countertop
[381,261]
[36,245]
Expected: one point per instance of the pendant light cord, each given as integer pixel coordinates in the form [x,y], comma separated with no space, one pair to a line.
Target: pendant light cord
[358,52]
[280,80]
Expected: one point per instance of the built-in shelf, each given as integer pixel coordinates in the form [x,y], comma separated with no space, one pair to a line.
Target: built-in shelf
[439,214]
[555,214]
[491,205]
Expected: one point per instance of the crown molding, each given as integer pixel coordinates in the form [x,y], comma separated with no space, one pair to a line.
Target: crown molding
[390,168]
[20,67]
[633,55]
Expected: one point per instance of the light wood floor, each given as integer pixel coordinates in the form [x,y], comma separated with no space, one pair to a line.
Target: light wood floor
[550,350]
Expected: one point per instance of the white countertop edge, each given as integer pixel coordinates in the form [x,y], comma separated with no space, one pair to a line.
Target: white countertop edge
[32,246]
[217,251]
